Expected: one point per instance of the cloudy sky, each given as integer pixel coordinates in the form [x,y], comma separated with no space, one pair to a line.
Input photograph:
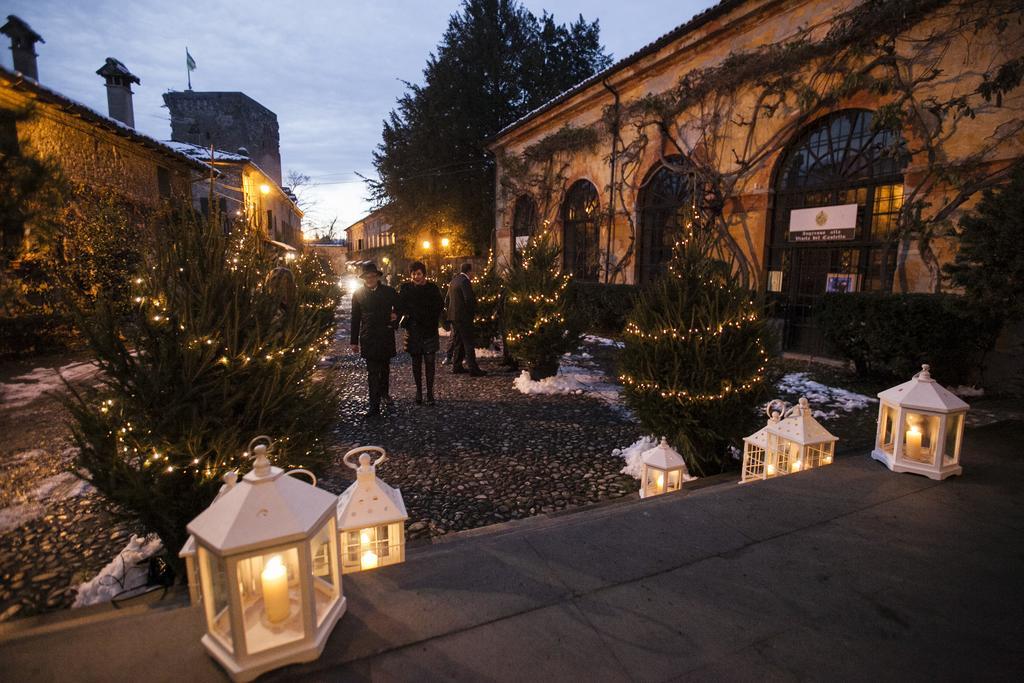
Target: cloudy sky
[330,70]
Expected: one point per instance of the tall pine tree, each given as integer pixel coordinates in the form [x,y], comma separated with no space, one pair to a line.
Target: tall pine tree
[695,359]
[495,63]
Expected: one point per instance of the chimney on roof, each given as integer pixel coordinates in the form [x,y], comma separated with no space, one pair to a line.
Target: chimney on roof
[23,45]
[119,90]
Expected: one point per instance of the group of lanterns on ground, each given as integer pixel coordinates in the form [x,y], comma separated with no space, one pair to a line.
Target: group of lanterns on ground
[266,557]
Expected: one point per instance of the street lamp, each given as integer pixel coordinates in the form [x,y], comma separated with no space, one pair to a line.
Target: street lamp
[426,245]
[445,242]
[264,188]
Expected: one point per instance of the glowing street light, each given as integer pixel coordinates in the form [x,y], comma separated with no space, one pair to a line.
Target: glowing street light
[445,242]
[426,244]
[264,189]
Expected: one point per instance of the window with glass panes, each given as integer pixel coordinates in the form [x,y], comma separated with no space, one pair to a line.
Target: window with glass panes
[581,225]
[524,222]
[667,203]
[840,159]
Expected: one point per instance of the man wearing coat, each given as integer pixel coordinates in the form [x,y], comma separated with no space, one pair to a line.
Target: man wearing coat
[374,312]
[461,310]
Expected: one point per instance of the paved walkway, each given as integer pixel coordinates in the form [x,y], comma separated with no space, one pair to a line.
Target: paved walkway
[848,572]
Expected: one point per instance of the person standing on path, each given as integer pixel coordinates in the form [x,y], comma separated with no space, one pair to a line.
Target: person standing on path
[461,310]
[421,306]
[374,312]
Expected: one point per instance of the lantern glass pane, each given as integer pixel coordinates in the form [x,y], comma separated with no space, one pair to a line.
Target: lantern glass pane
[655,484]
[325,571]
[784,454]
[920,434]
[675,480]
[951,449]
[367,548]
[887,428]
[396,542]
[754,464]
[271,590]
[215,596]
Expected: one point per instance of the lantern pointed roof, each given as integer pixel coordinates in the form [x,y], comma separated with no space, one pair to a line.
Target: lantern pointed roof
[266,506]
[924,393]
[800,426]
[664,457]
[368,502]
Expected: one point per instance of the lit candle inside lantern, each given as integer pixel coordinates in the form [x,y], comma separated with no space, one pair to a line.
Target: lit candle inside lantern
[364,538]
[914,442]
[368,560]
[274,580]
[661,483]
[771,470]
[796,466]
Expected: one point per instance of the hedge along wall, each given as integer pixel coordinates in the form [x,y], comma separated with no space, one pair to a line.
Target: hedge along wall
[891,335]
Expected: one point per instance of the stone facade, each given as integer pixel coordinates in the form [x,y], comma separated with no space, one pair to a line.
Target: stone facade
[244,192]
[94,150]
[228,121]
[372,238]
[757,218]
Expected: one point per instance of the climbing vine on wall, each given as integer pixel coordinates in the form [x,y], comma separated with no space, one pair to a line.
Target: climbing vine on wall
[731,120]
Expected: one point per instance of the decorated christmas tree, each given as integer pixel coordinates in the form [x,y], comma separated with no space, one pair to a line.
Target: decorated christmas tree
[536,324]
[221,345]
[489,289]
[694,363]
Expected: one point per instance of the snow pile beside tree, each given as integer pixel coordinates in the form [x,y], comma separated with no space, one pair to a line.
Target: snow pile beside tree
[828,402]
[576,375]
[126,572]
[24,389]
[633,455]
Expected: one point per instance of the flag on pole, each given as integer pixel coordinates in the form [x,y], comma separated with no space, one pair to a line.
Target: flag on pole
[190,65]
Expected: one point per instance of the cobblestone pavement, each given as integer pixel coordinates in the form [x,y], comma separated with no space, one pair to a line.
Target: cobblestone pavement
[55,531]
[485,453]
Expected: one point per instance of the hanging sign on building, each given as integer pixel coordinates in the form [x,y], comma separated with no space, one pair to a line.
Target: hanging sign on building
[823,223]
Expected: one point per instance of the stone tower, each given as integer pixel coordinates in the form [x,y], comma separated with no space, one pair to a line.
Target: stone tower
[228,121]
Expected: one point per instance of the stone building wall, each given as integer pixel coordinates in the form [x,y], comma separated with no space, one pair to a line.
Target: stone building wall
[745,26]
[228,121]
[93,156]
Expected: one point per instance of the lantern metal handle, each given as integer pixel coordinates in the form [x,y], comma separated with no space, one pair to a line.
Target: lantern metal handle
[262,437]
[302,470]
[364,449]
[781,410]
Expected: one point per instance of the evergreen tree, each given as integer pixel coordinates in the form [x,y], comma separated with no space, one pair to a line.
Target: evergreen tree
[495,63]
[989,263]
[536,327]
[220,346]
[489,288]
[694,363]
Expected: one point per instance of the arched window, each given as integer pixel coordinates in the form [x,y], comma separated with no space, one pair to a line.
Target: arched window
[524,222]
[838,196]
[667,202]
[581,231]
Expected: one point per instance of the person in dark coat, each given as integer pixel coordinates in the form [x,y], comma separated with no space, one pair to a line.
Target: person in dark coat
[421,306]
[461,310]
[374,312]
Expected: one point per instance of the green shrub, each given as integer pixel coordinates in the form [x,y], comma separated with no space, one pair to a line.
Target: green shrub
[891,335]
[600,308]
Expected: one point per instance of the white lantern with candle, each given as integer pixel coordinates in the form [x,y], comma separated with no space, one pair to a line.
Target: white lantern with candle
[266,556]
[662,470]
[792,441]
[920,428]
[371,516]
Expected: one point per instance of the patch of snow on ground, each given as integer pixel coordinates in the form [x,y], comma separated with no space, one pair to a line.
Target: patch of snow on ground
[633,455]
[489,352]
[826,402]
[124,573]
[14,516]
[60,487]
[24,389]
[968,392]
[603,341]
[576,375]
